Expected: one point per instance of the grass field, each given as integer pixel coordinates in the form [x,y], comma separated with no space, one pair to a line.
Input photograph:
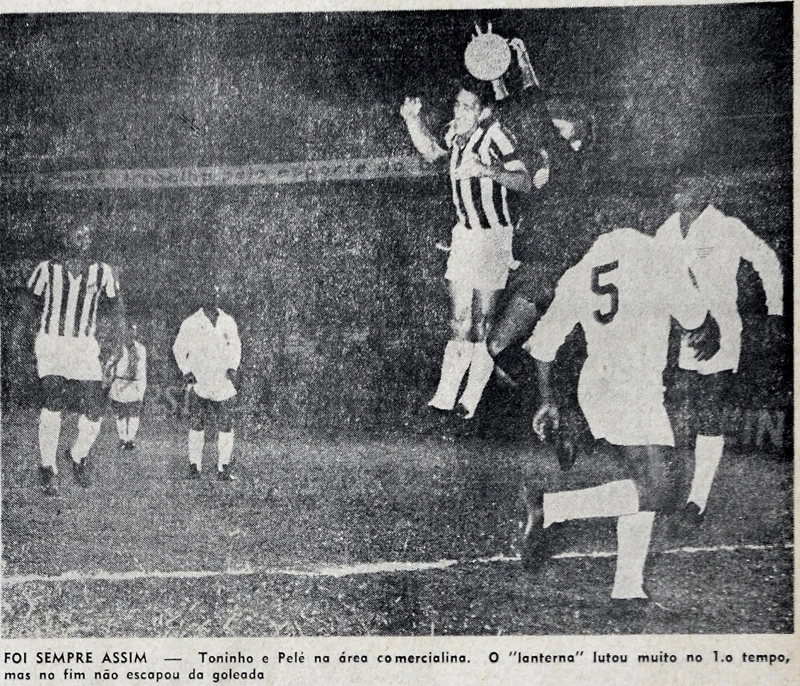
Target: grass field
[400,535]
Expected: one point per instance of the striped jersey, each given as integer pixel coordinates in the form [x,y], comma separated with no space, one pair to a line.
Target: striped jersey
[482,203]
[71,301]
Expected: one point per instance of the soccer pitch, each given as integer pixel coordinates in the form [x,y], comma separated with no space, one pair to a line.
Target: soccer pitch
[364,535]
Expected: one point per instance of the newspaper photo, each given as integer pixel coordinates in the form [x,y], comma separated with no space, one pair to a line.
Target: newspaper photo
[432,343]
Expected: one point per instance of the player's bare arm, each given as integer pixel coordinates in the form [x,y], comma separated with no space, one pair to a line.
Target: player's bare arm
[25,321]
[422,139]
[472,167]
[529,78]
[111,334]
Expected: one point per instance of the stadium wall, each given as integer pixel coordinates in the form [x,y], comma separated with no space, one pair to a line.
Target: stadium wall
[339,294]
[336,285]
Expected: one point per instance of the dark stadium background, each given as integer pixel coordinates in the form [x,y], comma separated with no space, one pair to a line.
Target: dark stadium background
[336,286]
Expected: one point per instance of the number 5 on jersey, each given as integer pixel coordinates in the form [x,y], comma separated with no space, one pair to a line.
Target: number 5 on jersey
[605,289]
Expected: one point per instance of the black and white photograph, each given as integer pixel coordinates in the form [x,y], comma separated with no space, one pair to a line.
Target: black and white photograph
[409,323]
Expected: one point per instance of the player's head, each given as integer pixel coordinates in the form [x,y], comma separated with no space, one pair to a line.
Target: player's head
[474,102]
[132,333]
[692,192]
[78,238]
[209,294]
[622,213]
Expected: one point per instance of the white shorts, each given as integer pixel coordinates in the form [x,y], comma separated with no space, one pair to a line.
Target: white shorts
[480,257]
[124,391]
[625,414]
[77,359]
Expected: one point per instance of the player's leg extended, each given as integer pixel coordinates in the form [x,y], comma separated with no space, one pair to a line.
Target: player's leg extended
[611,499]
[515,323]
[54,389]
[458,351]
[652,467]
[196,433]
[712,390]
[485,305]
[224,413]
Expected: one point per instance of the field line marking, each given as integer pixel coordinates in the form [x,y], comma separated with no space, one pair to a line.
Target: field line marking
[339,571]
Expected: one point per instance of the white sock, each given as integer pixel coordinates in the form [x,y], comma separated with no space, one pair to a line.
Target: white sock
[613,499]
[225,448]
[196,441]
[480,371]
[707,454]
[87,433]
[633,543]
[49,431]
[133,427]
[456,360]
[122,430]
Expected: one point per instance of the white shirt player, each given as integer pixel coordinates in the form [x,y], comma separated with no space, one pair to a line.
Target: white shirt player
[713,248]
[208,351]
[623,293]
[129,383]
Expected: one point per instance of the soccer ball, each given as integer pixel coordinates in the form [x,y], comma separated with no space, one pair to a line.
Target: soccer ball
[487,56]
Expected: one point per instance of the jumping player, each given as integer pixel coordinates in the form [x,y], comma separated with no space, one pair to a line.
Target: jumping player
[127,388]
[484,167]
[208,352]
[72,294]
[543,248]
[623,293]
[712,245]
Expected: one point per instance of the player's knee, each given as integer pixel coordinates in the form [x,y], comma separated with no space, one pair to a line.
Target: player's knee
[480,327]
[225,420]
[709,423]
[495,346]
[54,395]
[656,496]
[54,403]
[460,327]
[94,402]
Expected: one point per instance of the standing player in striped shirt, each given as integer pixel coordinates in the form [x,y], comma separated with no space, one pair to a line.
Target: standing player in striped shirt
[72,294]
[484,167]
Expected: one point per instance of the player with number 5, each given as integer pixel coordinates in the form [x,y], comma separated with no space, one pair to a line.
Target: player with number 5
[623,293]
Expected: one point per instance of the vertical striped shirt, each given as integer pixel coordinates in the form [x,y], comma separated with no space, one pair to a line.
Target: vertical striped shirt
[482,203]
[70,301]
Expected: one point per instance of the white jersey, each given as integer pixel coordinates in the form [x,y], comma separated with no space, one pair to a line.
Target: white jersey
[712,250]
[623,293]
[130,381]
[208,351]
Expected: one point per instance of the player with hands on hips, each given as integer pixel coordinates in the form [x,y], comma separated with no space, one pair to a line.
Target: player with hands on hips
[208,352]
[484,168]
